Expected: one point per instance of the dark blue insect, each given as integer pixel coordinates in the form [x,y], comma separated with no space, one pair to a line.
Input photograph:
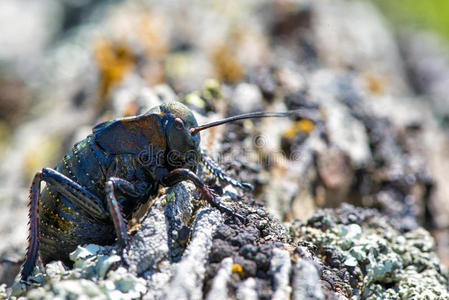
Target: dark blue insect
[104,178]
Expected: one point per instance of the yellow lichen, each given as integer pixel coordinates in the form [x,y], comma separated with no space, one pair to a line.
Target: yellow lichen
[374,83]
[237,269]
[226,64]
[5,134]
[302,125]
[41,153]
[211,89]
[114,60]
[131,109]
[171,197]
[151,32]
[194,98]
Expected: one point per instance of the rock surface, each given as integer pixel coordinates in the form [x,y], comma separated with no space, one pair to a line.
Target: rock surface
[371,140]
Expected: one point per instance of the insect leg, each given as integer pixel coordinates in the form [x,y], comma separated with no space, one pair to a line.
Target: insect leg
[66,186]
[87,201]
[33,236]
[179,175]
[219,173]
[121,228]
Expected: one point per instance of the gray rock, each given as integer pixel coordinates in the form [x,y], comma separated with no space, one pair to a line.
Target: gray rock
[374,145]
[247,97]
[96,274]
[219,284]
[152,244]
[306,281]
[280,269]
[247,290]
[189,272]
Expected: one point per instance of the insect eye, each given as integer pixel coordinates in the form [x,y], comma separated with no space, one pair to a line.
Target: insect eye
[179,124]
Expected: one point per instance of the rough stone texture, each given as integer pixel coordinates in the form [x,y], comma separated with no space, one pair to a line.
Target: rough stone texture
[156,242]
[189,272]
[96,274]
[247,290]
[375,265]
[427,62]
[336,254]
[280,267]
[220,281]
[373,143]
[306,281]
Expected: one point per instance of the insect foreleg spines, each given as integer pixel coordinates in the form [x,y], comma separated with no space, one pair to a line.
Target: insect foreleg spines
[220,174]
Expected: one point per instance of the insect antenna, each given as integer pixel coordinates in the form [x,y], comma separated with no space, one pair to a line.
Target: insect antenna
[305,114]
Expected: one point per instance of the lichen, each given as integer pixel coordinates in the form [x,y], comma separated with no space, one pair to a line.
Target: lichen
[394,265]
[95,274]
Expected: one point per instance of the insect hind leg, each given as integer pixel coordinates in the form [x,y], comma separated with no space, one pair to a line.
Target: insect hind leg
[33,237]
[220,174]
[79,195]
[86,201]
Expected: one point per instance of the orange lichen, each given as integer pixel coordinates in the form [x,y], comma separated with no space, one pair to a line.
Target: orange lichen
[237,269]
[226,64]
[114,60]
[154,72]
[150,31]
[131,109]
[374,83]
[302,125]
[151,36]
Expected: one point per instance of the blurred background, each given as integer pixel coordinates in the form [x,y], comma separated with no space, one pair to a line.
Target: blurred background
[66,65]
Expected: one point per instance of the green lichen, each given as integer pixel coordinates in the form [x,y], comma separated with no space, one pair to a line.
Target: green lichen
[194,98]
[95,275]
[171,197]
[211,89]
[3,294]
[395,265]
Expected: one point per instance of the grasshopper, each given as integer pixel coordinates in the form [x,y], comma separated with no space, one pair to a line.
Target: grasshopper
[103,179]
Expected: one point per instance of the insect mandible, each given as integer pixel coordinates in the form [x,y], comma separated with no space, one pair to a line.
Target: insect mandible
[104,178]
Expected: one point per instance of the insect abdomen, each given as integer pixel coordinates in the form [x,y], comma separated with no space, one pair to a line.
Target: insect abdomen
[63,225]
